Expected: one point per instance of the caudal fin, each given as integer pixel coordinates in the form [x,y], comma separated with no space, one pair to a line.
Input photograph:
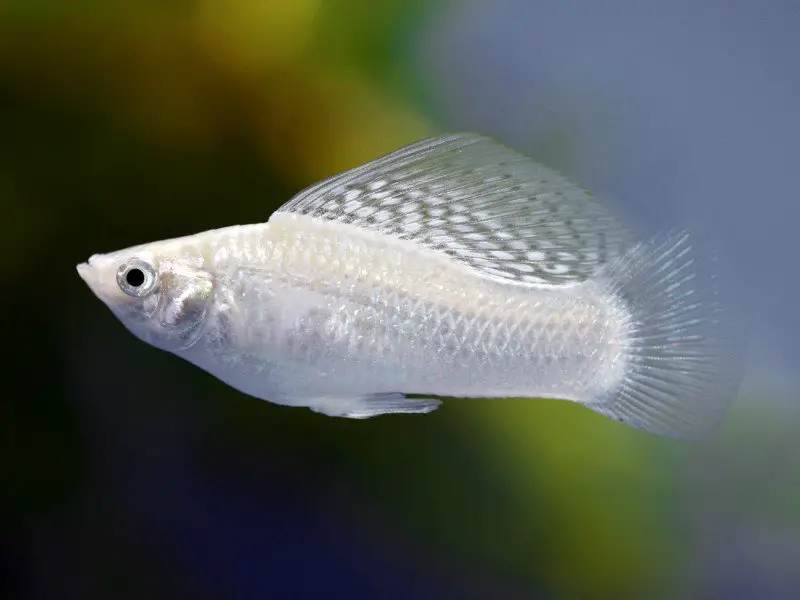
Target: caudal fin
[684,346]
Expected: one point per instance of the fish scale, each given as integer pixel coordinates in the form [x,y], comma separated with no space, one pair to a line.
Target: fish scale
[452,267]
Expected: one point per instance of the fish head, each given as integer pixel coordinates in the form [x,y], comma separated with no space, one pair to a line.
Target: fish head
[160,292]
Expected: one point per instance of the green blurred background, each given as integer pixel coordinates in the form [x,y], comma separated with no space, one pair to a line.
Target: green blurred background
[130,474]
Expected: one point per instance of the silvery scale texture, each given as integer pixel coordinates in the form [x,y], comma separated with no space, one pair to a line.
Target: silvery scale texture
[453,267]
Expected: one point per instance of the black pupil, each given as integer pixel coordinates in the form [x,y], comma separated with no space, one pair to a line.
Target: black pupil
[135,277]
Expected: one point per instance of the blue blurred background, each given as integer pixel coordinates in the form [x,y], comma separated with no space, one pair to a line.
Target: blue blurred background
[129,474]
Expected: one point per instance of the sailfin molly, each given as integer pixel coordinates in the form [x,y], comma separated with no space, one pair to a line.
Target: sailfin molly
[453,267]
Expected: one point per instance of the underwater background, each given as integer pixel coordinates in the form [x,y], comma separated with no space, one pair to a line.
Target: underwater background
[128,473]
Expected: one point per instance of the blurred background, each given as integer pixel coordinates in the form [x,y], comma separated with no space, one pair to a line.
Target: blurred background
[127,473]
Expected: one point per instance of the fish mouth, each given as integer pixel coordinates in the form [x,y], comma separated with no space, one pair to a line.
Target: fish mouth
[85,271]
[99,274]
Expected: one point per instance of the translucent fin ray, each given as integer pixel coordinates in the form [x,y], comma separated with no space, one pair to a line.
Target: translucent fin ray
[684,346]
[483,204]
[379,404]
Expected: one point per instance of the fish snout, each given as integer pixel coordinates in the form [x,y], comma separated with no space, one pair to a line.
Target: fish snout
[100,274]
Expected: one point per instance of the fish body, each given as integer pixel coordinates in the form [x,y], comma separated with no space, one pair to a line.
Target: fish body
[454,267]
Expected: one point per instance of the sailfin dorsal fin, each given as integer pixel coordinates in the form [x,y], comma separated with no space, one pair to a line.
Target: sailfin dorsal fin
[479,202]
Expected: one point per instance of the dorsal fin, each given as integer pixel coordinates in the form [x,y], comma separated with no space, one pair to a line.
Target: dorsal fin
[479,202]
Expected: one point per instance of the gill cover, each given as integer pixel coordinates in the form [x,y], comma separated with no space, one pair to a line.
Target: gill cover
[184,297]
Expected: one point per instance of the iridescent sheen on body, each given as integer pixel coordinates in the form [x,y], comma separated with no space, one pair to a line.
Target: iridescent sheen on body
[453,267]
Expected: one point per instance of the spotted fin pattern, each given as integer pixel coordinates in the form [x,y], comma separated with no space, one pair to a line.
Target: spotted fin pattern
[479,202]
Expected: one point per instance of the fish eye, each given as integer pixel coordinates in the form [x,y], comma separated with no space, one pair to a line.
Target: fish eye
[136,278]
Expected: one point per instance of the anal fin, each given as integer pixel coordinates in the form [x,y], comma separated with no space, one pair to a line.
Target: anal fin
[376,404]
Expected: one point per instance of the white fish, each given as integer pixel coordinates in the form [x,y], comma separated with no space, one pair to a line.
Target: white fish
[452,267]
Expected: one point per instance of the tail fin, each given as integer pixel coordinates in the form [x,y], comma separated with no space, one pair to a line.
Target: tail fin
[685,350]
